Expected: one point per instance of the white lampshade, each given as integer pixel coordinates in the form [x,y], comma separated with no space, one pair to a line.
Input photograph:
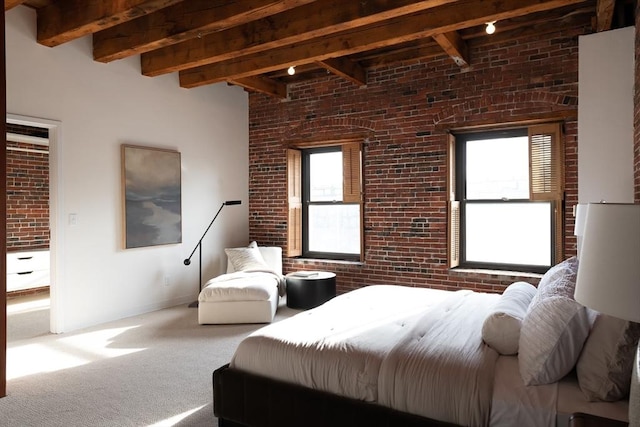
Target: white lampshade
[609,270]
[581,214]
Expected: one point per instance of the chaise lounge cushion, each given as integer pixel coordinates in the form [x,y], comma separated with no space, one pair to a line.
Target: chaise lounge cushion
[249,292]
[241,286]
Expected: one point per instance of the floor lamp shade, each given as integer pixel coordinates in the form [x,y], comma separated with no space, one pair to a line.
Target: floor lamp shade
[609,270]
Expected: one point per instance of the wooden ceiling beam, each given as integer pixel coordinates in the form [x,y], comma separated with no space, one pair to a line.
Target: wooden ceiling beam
[316,19]
[63,21]
[455,47]
[190,19]
[346,68]
[444,19]
[508,30]
[263,85]
[604,14]
[306,69]
[10,4]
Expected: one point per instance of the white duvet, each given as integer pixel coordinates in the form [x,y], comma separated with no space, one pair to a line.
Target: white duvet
[253,285]
[416,350]
[339,346]
[441,368]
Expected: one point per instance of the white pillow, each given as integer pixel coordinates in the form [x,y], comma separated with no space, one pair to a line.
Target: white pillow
[501,328]
[606,362]
[554,328]
[246,259]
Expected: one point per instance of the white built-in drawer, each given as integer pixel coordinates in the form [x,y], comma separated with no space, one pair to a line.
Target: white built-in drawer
[20,262]
[27,269]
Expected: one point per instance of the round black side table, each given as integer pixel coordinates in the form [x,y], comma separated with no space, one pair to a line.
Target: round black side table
[308,289]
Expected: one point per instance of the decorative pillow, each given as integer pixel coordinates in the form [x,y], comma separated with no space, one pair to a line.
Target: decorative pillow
[244,259]
[554,328]
[501,328]
[605,365]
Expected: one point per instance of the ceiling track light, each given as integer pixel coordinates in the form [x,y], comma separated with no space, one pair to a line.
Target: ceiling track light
[291,70]
[491,27]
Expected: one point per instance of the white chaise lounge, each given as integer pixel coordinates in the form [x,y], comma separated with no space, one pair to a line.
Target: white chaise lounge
[250,290]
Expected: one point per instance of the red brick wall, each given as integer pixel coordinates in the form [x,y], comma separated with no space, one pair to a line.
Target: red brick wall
[27,198]
[405,109]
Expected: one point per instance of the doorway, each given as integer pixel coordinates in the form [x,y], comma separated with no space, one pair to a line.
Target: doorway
[56,324]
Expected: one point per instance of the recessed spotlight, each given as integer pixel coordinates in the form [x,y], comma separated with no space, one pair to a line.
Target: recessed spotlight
[291,70]
[491,28]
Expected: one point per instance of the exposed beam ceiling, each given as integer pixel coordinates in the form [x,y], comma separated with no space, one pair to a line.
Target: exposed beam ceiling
[185,21]
[252,43]
[444,19]
[63,21]
[318,19]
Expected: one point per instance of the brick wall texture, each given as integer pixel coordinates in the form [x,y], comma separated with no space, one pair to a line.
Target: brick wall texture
[404,111]
[27,197]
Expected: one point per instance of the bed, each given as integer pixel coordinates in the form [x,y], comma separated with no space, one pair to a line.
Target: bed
[389,355]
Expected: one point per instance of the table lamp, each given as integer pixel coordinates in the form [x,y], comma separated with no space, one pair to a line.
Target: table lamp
[579,213]
[608,278]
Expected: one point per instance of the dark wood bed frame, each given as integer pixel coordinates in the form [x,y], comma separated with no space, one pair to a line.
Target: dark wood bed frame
[241,399]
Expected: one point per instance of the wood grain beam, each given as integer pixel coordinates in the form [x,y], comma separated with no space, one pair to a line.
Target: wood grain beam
[10,4]
[190,19]
[63,21]
[476,37]
[444,19]
[263,85]
[604,14]
[345,68]
[455,47]
[316,19]
[300,70]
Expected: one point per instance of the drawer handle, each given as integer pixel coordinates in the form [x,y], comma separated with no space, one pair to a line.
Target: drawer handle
[25,272]
[24,257]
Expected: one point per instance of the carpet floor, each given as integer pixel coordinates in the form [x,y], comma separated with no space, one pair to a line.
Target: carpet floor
[148,370]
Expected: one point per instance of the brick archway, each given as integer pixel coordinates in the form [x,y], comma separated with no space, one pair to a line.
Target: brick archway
[492,108]
[328,128]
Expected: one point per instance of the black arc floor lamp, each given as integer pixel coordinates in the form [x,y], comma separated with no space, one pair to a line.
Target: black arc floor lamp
[199,246]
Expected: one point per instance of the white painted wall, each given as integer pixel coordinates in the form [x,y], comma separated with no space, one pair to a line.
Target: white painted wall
[99,107]
[605,116]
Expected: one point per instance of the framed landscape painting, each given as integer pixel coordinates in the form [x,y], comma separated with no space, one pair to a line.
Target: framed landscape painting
[152,195]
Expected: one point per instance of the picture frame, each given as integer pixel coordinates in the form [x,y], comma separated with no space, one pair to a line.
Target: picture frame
[152,196]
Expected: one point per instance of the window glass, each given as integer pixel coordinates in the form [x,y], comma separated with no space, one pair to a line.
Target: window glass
[325,177]
[498,168]
[508,233]
[334,228]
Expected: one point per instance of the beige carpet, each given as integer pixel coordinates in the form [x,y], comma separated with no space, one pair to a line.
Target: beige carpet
[148,370]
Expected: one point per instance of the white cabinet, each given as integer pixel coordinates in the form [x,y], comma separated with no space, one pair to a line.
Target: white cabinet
[606,79]
[27,269]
